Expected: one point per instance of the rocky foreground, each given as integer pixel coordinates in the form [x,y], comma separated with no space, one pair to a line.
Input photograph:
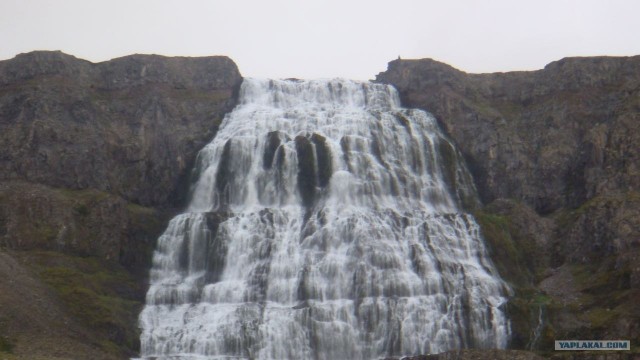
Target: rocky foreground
[96,157]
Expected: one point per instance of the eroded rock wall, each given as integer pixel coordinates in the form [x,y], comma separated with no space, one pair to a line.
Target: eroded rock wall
[94,158]
[554,153]
[552,138]
[129,126]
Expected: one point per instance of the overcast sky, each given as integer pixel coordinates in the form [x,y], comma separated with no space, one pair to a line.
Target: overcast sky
[327,38]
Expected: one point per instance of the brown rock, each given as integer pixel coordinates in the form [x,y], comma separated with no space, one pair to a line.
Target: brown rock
[94,158]
[129,126]
[551,138]
[562,141]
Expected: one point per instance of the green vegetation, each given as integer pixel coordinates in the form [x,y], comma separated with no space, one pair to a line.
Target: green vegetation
[541,299]
[515,259]
[7,356]
[482,106]
[513,256]
[102,295]
[5,345]
[524,311]
[81,209]
[64,244]
[82,196]
[566,218]
[607,279]
[606,304]
[606,296]
[603,300]
[46,232]
[145,219]
[602,274]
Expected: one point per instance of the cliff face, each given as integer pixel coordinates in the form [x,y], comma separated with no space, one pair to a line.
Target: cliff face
[555,157]
[129,126]
[93,158]
[552,138]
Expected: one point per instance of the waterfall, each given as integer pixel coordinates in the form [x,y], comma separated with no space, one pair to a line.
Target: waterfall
[537,331]
[325,223]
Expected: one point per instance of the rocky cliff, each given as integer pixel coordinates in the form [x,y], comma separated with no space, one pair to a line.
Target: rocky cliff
[93,158]
[129,126]
[555,157]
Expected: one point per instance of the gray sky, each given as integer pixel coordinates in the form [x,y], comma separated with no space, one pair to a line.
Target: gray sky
[327,38]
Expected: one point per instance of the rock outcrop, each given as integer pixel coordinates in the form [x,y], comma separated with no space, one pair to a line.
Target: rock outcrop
[129,126]
[552,138]
[554,153]
[93,160]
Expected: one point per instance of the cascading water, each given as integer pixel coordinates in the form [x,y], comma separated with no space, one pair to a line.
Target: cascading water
[321,227]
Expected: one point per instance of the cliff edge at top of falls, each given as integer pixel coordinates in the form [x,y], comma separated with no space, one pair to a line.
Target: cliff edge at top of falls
[554,154]
[202,73]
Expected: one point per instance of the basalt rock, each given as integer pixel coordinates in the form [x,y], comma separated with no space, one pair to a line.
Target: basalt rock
[94,157]
[554,154]
[129,126]
[552,138]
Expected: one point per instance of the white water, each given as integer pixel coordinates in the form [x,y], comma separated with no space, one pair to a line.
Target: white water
[321,228]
